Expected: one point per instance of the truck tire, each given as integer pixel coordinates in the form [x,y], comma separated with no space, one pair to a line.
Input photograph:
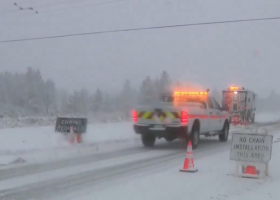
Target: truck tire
[195,138]
[148,140]
[253,119]
[223,137]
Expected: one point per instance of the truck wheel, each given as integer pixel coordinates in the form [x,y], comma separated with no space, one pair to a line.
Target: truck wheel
[195,139]
[253,119]
[148,140]
[223,137]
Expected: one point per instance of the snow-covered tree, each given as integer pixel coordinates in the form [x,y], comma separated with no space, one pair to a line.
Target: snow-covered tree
[165,82]
[29,94]
[127,97]
[97,101]
[50,96]
[147,91]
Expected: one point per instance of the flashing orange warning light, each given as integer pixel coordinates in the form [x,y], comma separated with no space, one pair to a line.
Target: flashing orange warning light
[235,88]
[190,93]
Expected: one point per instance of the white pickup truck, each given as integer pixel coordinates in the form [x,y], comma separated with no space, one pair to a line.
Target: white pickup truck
[184,115]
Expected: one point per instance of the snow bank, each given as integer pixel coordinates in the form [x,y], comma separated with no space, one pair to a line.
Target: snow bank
[35,138]
[42,143]
[50,121]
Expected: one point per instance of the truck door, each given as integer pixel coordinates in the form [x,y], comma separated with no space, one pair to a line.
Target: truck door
[211,115]
[218,117]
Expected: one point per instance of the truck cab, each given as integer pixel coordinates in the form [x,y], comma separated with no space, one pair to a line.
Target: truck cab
[185,115]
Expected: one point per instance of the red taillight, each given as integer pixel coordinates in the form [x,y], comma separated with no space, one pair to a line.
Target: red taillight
[184,117]
[134,115]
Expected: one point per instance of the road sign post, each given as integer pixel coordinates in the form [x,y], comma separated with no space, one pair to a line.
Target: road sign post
[251,149]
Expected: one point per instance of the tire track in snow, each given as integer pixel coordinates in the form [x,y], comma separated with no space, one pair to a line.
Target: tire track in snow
[53,188]
[44,167]
[49,166]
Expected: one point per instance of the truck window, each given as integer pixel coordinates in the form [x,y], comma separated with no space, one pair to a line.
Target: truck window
[234,107]
[242,96]
[210,104]
[235,97]
[192,102]
[216,104]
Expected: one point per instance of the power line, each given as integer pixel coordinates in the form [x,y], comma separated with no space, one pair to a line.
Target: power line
[86,5]
[43,5]
[143,28]
[68,8]
[28,8]
[62,3]
[20,8]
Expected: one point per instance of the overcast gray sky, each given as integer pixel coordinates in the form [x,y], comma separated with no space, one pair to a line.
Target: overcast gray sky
[245,54]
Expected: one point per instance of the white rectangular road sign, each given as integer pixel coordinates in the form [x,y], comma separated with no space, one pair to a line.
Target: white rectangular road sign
[251,147]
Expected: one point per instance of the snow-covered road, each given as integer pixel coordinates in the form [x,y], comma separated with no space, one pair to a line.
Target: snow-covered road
[126,170]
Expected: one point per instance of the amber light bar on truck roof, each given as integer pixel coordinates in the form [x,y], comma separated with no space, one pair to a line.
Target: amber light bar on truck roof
[236,88]
[190,93]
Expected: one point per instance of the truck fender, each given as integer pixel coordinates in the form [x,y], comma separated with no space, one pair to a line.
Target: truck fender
[226,121]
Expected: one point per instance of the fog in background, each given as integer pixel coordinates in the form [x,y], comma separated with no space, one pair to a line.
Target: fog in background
[111,69]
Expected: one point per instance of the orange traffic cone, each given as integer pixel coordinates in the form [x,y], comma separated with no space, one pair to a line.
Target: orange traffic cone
[72,135]
[251,170]
[189,164]
[79,138]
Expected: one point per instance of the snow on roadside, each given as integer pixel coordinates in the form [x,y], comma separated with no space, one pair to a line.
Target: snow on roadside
[266,188]
[35,138]
[214,180]
[267,117]
[37,144]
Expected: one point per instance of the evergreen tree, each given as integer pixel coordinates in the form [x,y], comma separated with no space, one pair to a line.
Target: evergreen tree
[97,101]
[165,82]
[72,103]
[157,88]
[108,103]
[127,97]
[84,101]
[63,101]
[50,96]
[147,92]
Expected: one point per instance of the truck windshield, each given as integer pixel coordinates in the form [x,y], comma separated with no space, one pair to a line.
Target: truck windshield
[229,96]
